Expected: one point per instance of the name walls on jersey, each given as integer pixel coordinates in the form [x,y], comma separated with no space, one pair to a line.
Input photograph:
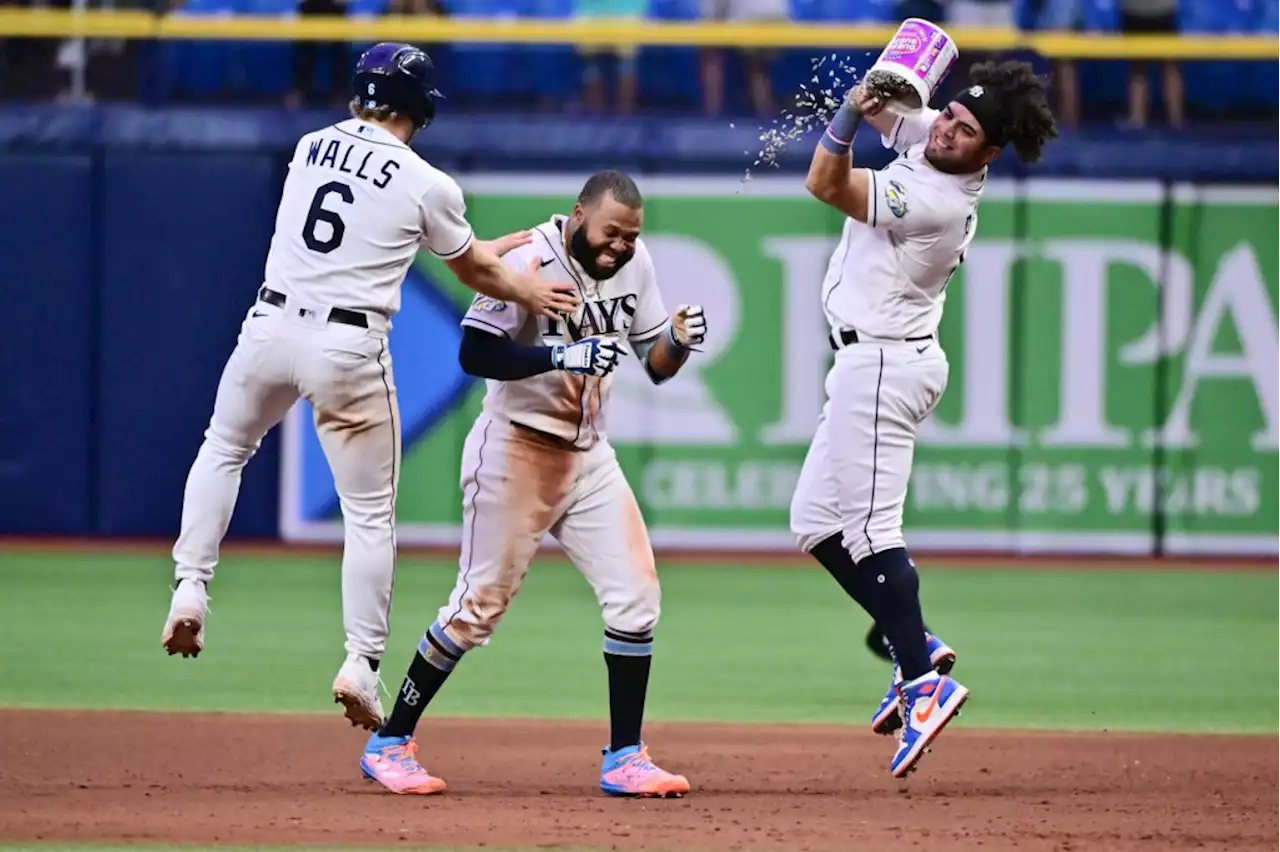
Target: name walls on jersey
[1078,283]
[341,155]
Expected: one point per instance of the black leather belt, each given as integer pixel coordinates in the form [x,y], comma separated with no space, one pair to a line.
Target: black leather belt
[849,336]
[342,315]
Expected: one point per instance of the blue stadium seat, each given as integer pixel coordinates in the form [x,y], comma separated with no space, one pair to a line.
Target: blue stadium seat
[265,67]
[548,71]
[1218,84]
[1099,15]
[199,68]
[1267,21]
[808,10]
[476,70]
[671,76]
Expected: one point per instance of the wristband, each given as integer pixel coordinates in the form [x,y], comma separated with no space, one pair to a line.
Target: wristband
[838,138]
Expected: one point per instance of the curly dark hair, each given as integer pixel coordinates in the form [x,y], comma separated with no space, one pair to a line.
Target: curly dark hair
[1025,118]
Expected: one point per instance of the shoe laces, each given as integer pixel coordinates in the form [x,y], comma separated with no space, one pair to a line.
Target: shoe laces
[640,760]
[404,755]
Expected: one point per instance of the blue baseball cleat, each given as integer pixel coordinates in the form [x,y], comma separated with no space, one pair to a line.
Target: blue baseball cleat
[887,717]
[928,704]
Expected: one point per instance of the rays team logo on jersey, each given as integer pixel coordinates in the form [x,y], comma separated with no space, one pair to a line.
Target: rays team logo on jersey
[601,317]
[895,195]
[486,303]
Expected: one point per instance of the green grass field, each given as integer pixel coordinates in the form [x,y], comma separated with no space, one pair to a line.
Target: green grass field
[1120,649]
[1051,648]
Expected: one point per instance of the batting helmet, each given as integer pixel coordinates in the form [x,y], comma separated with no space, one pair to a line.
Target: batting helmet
[399,77]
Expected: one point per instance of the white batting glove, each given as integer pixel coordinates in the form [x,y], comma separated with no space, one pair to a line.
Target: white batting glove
[594,356]
[688,326]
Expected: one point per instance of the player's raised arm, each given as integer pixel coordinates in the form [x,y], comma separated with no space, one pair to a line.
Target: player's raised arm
[832,178]
[663,343]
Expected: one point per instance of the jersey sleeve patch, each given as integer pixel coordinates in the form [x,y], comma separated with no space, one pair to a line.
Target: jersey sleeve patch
[895,198]
[488,304]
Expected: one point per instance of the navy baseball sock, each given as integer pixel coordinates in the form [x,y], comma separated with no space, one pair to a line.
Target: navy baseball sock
[887,586]
[894,576]
[436,657]
[628,657]
[839,564]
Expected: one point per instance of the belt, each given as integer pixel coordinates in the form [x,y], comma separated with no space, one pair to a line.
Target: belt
[849,336]
[342,315]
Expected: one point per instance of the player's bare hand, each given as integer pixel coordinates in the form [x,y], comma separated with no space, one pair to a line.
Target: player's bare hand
[547,298]
[510,242]
[867,99]
[688,326]
[594,356]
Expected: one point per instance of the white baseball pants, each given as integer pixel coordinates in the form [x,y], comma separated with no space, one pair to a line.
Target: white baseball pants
[854,479]
[518,485]
[345,373]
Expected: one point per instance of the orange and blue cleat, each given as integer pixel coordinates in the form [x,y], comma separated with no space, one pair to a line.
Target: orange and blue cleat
[392,762]
[888,717]
[630,772]
[928,704]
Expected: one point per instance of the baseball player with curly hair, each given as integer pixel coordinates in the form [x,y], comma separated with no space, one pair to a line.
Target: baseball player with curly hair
[357,205]
[538,461]
[908,227]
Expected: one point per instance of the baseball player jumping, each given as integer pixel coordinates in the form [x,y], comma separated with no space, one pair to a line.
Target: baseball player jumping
[907,230]
[356,206]
[537,460]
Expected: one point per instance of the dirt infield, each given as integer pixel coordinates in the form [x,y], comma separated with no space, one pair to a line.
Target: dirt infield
[131,777]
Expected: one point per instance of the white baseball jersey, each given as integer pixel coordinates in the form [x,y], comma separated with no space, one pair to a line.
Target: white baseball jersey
[357,205]
[888,276]
[626,307]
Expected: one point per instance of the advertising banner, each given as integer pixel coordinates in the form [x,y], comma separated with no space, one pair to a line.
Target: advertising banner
[1115,372]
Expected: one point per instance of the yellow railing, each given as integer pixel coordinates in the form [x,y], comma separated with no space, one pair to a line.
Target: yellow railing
[1058,45]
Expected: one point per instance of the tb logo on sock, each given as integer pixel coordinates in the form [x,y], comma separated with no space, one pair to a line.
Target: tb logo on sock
[410,693]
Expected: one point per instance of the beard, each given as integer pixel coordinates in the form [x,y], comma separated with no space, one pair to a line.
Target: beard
[586,254]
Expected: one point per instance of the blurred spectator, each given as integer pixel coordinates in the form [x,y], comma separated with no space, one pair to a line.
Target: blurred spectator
[306,55]
[759,63]
[1158,17]
[1062,16]
[593,56]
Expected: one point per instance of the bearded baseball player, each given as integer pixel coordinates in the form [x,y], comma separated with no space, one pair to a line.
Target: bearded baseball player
[907,231]
[356,206]
[538,460]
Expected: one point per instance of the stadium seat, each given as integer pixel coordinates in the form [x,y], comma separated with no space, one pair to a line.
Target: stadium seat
[200,68]
[1219,84]
[478,71]
[1267,74]
[265,67]
[547,71]
[671,76]
[1100,15]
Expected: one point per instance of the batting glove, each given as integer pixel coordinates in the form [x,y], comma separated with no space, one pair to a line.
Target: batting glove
[591,357]
[688,326]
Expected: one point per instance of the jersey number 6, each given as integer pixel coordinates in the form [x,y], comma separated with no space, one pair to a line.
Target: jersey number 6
[317,213]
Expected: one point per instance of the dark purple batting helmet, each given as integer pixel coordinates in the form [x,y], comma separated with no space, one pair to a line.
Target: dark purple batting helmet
[400,77]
